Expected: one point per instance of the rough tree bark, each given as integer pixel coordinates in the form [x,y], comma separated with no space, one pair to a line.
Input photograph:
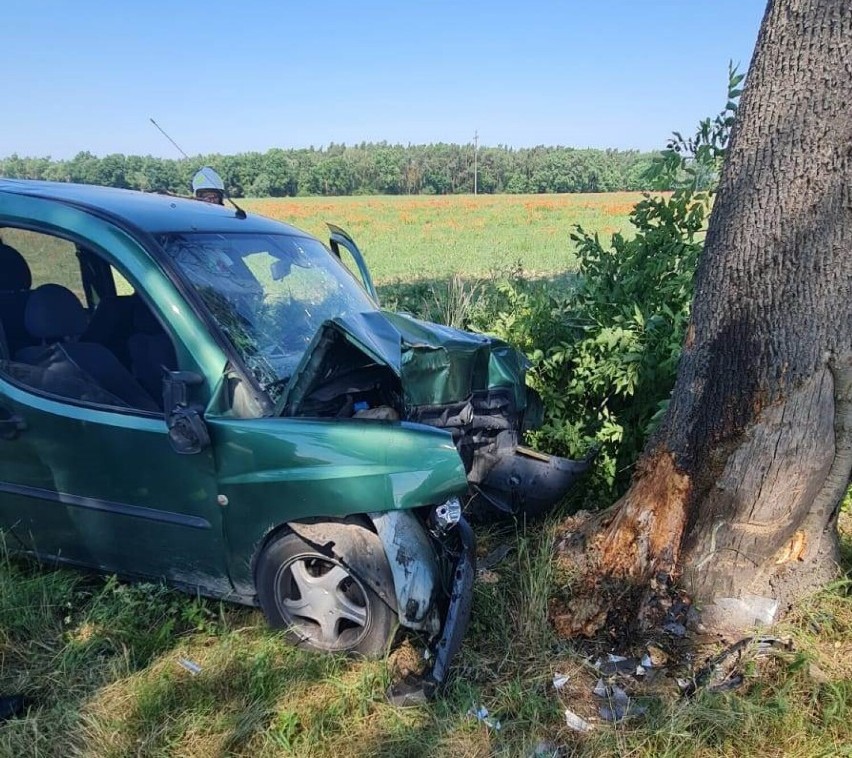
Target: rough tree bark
[736,496]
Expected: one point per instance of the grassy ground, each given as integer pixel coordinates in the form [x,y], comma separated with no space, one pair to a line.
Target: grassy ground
[433,237]
[102,661]
[414,246]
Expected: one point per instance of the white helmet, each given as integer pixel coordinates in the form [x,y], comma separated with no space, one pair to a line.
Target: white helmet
[207,179]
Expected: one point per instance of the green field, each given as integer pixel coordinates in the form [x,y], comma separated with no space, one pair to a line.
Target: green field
[405,238]
[418,241]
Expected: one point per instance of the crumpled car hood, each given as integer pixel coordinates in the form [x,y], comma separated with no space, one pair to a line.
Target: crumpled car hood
[436,364]
[470,385]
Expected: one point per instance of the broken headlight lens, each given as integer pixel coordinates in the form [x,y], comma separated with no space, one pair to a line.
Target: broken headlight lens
[445,516]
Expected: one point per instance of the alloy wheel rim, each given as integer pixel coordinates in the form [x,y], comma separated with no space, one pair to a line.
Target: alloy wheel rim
[322,602]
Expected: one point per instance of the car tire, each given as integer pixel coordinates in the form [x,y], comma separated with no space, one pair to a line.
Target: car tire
[324,603]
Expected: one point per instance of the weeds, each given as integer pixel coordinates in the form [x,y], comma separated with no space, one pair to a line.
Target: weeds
[101,659]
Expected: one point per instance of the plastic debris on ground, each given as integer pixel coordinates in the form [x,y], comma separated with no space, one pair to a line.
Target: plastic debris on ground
[410,691]
[547,750]
[495,557]
[616,664]
[480,713]
[619,704]
[560,680]
[577,723]
[675,629]
[767,645]
[731,683]
[191,666]
[13,705]
[618,712]
[724,670]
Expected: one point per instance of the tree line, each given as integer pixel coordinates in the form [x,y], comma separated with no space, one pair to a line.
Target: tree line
[367,168]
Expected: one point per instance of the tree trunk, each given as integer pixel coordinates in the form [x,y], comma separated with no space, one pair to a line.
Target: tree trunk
[737,493]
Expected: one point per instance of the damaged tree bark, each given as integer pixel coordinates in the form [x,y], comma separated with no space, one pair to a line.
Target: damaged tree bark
[737,494]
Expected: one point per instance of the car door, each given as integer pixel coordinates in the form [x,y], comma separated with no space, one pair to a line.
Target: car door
[89,480]
[344,247]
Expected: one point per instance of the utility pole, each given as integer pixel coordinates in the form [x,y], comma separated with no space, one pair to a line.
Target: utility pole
[475,148]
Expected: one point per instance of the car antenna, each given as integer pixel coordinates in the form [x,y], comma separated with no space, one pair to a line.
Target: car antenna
[240,212]
[163,132]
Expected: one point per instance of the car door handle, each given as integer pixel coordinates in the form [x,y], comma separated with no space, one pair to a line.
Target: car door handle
[11,425]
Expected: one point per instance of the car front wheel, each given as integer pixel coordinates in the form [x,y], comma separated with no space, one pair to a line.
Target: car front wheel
[323,603]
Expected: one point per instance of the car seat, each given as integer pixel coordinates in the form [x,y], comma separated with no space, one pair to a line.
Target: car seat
[150,350]
[55,317]
[112,324]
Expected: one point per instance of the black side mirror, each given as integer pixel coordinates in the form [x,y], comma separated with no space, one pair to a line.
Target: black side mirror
[187,431]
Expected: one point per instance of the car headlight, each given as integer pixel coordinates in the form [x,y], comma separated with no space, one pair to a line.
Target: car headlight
[445,516]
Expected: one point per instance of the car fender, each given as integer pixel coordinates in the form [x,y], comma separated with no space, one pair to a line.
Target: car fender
[409,553]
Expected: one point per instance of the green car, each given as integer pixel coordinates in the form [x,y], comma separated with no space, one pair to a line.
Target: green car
[196,395]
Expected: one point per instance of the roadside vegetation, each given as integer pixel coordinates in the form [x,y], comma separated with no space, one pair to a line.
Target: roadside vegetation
[116,669]
[364,169]
[107,666]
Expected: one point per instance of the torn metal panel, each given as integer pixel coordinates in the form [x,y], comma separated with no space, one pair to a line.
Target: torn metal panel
[456,620]
[435,364]
[414,566]
[468,384]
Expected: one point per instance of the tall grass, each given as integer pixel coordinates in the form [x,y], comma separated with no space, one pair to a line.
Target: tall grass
[102,661]
[411,238]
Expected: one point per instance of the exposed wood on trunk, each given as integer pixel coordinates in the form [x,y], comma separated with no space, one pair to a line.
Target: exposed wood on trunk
[750,518]
[644,537]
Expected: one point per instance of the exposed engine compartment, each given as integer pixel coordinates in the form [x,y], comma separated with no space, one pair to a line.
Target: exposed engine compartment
[343,378]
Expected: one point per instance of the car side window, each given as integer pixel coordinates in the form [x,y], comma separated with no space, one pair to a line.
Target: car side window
[122,286]
[50,259]
[73,327]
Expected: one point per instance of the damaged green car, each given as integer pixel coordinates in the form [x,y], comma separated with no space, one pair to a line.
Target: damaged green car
[193,394]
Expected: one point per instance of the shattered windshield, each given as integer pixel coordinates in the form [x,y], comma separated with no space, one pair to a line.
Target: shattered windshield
[269,293]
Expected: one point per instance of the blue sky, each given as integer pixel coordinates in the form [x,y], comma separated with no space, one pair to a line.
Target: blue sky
[236,76]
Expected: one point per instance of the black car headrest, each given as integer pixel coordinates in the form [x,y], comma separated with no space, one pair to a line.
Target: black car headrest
[14,272]
[53,312]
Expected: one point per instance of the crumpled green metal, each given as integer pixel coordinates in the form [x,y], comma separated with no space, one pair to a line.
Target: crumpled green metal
[436,364]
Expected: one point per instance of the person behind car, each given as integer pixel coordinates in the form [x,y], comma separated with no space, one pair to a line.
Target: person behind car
[208,186]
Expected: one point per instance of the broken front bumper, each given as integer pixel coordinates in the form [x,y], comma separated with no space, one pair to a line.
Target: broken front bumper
[529,483]
[419,689]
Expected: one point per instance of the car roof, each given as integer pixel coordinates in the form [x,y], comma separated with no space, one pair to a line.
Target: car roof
[152,212]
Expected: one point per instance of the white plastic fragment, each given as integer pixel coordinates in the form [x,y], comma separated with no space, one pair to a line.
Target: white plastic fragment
[546,750]
[647,663]
[191,666]
[577,723]
[748,610]
[560,680]
[480,713]
[615,658]
[640,671]
[601,689]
